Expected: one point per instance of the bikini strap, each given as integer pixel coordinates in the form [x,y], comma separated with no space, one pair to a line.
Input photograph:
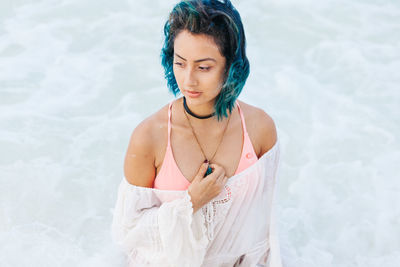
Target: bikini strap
[169,122]
[242,117]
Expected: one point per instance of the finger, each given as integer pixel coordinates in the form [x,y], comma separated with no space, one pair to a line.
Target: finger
[217,169]
[211,178]
[216,175]
[202,170]
[221,179]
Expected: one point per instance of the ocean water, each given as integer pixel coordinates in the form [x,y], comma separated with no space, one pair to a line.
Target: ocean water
[76,77]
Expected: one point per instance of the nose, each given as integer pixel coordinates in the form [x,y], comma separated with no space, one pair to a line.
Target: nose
[190,77]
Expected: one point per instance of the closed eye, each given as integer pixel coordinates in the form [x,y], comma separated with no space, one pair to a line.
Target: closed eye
[201,68]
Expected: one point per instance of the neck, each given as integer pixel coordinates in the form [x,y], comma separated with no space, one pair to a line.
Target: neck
[201,109]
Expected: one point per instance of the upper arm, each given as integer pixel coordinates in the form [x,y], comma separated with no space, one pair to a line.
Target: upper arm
[139,166]
[267,135]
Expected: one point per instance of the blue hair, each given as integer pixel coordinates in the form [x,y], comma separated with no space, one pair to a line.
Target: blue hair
[221,21]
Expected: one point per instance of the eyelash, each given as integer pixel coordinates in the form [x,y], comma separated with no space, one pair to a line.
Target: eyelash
[201,68]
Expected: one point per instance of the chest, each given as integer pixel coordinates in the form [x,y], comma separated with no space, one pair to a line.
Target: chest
[187,152]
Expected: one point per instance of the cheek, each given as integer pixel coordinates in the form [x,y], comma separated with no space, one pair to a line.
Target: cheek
[217,79]
[176,74]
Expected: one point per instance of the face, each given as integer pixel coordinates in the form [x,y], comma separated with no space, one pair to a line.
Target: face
[198,67]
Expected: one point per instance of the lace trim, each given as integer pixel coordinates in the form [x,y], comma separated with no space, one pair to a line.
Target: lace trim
[210,212]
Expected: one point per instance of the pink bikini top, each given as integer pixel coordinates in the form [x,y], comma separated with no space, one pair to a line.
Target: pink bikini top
[170,176]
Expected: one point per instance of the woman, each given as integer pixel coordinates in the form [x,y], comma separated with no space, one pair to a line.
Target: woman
[191,195]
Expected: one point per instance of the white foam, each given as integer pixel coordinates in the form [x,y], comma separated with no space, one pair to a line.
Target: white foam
[76,77]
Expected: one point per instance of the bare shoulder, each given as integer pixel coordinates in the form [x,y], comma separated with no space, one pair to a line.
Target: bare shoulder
[139,165]
[260,127]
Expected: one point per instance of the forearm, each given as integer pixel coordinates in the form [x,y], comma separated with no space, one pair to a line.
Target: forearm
[140,226]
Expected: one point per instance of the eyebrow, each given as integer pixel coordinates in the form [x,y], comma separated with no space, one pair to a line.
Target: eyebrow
[199,60]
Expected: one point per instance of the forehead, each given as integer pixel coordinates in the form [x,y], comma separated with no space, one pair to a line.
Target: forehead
[195,46]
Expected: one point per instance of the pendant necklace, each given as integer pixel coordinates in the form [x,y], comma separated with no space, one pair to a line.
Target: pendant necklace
[209,170]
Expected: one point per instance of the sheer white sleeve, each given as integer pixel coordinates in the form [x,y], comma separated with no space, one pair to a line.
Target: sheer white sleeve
[158,228]
[275,255]
[274,259]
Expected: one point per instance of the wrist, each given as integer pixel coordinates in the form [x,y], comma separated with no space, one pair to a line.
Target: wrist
[194,206]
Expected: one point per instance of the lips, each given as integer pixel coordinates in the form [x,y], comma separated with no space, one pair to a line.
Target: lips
[192,94]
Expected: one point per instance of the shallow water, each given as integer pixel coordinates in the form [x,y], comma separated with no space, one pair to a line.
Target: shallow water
[77,76]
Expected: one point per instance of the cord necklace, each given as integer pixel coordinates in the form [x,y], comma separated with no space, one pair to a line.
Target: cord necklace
[209,170]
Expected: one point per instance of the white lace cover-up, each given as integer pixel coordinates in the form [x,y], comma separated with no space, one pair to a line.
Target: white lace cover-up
[237,228]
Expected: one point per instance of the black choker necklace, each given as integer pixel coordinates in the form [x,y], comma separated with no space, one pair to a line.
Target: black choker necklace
[194,115]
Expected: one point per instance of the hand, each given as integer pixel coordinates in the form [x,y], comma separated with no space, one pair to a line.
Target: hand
[203,189]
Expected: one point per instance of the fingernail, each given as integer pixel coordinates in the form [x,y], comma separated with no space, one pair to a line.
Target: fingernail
[205,161]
